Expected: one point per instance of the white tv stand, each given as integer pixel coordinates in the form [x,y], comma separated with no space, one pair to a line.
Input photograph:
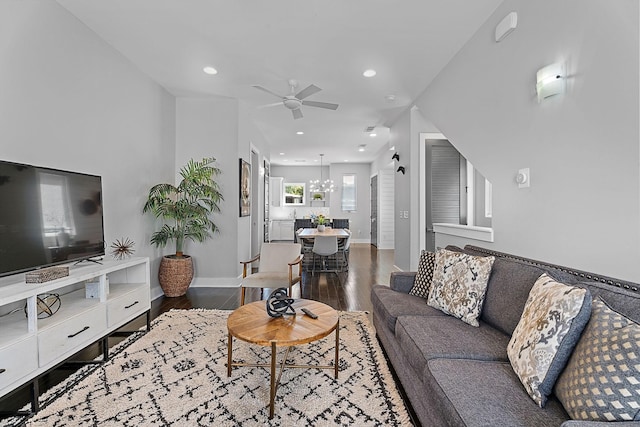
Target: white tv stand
[29,346]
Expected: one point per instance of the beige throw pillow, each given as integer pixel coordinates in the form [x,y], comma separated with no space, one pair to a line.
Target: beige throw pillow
[553,319]
[459,284]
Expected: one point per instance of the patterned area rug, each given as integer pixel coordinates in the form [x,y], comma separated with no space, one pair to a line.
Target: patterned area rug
[176,375]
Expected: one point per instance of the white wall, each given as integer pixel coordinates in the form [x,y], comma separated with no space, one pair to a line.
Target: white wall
[69,101]
[360,220]
[583,207]
[206,127]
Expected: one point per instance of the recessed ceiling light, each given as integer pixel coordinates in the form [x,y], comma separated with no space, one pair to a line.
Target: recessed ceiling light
[299,133]
[361,147]
[210,70]
[390,98]
[369,73]
[372,135]
[282,154]
[346,160]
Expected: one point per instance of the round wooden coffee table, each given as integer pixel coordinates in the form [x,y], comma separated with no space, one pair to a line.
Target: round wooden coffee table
[252,324]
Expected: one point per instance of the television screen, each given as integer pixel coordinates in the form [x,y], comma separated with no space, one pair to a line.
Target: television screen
[48,217]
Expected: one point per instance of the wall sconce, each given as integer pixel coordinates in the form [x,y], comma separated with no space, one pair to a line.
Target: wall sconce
[550,80]
[401,169]
[396,156]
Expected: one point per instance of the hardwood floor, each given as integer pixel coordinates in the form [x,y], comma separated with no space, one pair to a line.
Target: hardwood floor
[348,291]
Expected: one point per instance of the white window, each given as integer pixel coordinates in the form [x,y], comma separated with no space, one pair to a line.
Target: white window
[349,193]
[488,199]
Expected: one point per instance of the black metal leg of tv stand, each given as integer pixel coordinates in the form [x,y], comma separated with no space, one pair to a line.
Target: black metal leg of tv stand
[34,389]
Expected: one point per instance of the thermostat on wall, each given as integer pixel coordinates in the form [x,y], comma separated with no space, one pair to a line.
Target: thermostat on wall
[523,179]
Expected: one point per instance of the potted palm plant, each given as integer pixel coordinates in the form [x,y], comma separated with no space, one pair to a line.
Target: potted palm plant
[186,210]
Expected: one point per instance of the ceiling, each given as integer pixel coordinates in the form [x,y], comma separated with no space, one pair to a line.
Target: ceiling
[328,43]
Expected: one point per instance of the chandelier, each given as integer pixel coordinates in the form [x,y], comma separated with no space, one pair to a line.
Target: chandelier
[319,185]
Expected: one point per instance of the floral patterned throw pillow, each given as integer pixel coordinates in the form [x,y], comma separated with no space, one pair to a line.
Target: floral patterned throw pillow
[459,284]
[550,326]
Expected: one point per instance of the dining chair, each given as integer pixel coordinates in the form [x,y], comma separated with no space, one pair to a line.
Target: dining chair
[324,246]
[341,223]
[276,268]
[343,248]
[301,223]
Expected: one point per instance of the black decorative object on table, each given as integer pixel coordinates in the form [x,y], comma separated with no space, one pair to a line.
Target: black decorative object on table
[279,303]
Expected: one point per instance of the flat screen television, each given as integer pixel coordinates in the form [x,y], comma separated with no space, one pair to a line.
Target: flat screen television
[48,217]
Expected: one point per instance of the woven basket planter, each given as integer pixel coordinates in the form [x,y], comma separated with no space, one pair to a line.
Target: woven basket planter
[175,275]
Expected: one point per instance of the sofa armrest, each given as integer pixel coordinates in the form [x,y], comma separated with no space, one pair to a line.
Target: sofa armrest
[402,281]
[576,423]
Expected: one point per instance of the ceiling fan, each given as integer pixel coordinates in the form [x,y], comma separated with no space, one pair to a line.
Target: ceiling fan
[294,100]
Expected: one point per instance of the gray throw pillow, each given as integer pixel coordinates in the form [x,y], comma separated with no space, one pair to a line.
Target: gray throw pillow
[554,316]
[602,379]
[422,282]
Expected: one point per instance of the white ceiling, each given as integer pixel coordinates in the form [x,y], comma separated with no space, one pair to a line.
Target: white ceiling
[328,43]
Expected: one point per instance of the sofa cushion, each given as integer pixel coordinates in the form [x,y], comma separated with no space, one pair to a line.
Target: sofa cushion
[507,293]
[621,300]
[601,381]
[422,284]
[487,393]
[425,338]
[459,284]
[389,304]
[553,319]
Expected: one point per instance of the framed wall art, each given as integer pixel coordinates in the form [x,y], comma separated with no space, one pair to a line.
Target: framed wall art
[245,188]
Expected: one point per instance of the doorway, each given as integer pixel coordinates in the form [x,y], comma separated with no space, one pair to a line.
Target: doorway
[445,187]
[374,210]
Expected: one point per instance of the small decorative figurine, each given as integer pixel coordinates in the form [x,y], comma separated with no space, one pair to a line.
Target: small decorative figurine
[46,305]
[122,248]
[279,303]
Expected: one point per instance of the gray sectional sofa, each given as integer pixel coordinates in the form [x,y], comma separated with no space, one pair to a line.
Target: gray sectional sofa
[455,374]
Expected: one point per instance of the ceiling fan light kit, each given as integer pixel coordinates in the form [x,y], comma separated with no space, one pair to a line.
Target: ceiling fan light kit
[294,101]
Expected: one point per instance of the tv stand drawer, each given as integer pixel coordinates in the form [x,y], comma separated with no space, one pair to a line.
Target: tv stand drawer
[72,334]
[126,306]
[18,360]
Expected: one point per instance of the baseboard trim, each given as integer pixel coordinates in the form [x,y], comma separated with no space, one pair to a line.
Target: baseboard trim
[216,282]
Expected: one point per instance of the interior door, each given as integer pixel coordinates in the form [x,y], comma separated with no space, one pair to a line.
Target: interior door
[445,184]
[374,210]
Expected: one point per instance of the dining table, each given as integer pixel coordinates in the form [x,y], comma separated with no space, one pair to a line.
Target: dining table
[310,233]
[307,237]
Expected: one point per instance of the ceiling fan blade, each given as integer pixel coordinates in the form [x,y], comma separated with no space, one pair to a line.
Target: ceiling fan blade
[308,91]
[275,104]
[320,104]
[268,91]
[297,113]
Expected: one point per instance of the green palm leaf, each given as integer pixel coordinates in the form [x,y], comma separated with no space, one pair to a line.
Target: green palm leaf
[188,207]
